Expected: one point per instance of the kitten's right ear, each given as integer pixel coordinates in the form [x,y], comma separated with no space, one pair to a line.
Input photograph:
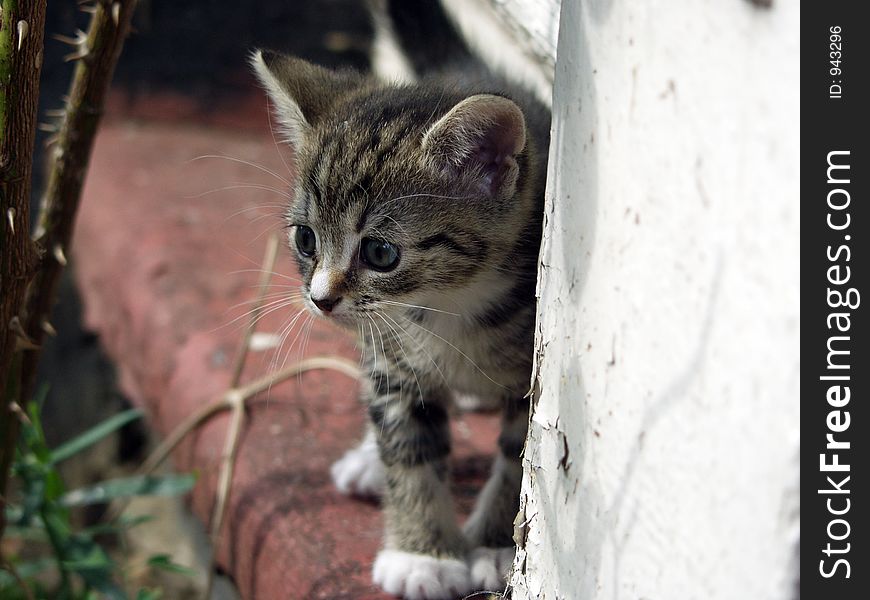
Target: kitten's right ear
[301,92]
[481,137]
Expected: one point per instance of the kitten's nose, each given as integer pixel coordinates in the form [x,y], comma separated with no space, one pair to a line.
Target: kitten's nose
[326,304]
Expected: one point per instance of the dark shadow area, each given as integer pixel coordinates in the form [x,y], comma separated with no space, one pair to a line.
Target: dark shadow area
[200,48]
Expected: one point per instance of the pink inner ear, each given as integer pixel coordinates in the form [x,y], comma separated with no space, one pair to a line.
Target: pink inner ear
[481,135]
[493,164]
[495,150]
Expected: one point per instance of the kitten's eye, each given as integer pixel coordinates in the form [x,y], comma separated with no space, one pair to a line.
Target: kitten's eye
[380,255]
[306,241]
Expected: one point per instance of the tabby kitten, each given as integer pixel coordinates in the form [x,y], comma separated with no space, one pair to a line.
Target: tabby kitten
[416,220]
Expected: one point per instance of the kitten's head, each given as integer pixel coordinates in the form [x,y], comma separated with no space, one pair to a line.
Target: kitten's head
[403,195]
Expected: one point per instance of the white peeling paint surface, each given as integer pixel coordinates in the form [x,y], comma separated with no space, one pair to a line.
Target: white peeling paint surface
[516,38]
[662,461]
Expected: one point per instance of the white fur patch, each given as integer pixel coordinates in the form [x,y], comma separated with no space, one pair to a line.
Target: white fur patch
[486,31]
[421,577]
[321,284]
[360,471]
[388,59]
[290,118]
[470,403]
[490,568]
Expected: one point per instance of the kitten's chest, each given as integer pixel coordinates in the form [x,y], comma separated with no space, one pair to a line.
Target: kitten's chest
[466,360]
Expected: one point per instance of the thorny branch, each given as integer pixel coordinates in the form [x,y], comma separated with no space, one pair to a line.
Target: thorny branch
[30,269]
[21,29]
[96,54]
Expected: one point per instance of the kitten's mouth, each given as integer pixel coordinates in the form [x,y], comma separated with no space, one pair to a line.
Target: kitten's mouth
[333,311]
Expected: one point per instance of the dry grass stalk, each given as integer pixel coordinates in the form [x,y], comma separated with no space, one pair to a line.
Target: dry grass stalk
[235,399]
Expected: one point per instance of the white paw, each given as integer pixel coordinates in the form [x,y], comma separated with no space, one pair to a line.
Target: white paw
[490,567]
[469,403]
[421,577]
[360,471]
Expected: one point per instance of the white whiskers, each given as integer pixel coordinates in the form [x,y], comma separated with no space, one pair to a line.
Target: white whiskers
[463,354]
[437,310]
[242,186]
[245,162]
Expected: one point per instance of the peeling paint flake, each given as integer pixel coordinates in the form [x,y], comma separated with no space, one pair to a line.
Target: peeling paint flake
[564,462]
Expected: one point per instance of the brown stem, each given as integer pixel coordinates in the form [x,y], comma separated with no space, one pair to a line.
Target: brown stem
[96,56]
[22,23]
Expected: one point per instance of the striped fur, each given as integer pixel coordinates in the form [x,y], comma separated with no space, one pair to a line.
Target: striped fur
[451,174]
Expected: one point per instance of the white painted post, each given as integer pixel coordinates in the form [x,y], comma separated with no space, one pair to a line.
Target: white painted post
[662,460]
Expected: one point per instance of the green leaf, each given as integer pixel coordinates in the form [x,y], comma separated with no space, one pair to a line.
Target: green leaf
[54,487]
[164,562]
[56,521]
[40,396]
[93,435]
[123,523]
[92,563]
[33,435]
[32,492]
[138,485]
[147,594]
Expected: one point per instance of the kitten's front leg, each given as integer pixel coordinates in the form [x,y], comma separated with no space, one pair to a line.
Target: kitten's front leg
[360,471]
[489,529]
[424,551]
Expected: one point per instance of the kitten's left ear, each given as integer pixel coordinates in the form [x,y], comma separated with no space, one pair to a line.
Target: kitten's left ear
[480,135]
[301,92]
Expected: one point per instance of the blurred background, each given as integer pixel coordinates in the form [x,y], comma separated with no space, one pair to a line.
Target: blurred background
[184,62]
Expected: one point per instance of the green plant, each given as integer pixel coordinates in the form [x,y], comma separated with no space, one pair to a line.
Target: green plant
[41,514]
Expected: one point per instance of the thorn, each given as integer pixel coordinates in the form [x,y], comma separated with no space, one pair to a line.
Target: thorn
[49,329]
[116,12]
[10,216]
[64,39]
[79,40]
[47,127]
[38,232]
[91,9]
[76,56]
[59,256]
[23,28]
[15,326]
[51,141]
[55,112]
[23,342]
[15,409]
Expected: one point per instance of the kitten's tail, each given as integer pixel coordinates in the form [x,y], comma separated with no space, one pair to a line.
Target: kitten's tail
[415,38]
